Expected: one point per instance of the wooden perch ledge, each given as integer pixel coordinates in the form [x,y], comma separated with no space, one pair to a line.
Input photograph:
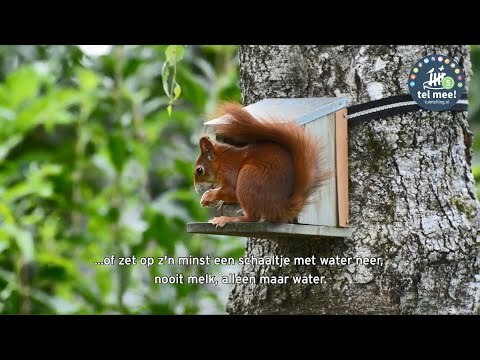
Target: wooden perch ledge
[270,230]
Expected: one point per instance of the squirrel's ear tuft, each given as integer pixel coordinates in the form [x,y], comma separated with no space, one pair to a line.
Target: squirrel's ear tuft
[206,145]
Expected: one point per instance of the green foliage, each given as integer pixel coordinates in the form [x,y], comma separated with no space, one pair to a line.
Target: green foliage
[91,164]
[173,54]
[474,111]
[474,87]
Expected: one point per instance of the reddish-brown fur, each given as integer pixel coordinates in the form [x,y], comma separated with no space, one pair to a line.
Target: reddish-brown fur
[272,177]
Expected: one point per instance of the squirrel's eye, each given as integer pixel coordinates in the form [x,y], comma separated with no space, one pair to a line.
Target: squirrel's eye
[199,171]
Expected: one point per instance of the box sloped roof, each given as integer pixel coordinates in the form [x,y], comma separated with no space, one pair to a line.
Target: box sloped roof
[302,110]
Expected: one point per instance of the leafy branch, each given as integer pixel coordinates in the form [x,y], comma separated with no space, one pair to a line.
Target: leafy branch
[173,54]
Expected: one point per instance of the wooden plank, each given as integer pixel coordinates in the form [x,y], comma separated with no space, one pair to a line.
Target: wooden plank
[270,230]
[341,135]
[323,209]
[228,210]
[232,210]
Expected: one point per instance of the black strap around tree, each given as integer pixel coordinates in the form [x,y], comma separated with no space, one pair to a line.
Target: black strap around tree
[393,105]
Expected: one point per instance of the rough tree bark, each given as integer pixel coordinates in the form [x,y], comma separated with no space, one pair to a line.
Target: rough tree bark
[412,195]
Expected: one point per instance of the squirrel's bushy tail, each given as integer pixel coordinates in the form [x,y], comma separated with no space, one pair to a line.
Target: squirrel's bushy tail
[310,172]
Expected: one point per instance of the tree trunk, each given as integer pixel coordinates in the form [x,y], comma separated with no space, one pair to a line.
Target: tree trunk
[412,194]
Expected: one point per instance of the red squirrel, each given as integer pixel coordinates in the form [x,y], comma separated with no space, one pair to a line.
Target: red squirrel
[271,176]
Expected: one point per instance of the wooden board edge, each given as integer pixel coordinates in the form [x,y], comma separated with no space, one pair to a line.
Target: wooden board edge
[341,143]
[266,230]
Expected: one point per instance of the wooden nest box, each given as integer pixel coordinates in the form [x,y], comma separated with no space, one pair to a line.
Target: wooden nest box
[327,215]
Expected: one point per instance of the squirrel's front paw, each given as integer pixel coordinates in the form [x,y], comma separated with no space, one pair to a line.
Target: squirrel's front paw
[208,198]
[219,221]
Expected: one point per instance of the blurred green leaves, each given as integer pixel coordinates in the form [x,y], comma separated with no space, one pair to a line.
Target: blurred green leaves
[92,164]
[474,112]
[174,53]
[21,86]
[118,151]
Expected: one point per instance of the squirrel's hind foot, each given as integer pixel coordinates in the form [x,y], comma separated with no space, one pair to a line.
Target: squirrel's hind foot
[222,220]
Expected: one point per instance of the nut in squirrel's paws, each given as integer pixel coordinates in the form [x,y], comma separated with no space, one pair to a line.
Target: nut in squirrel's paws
[208,198]
[219,221]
